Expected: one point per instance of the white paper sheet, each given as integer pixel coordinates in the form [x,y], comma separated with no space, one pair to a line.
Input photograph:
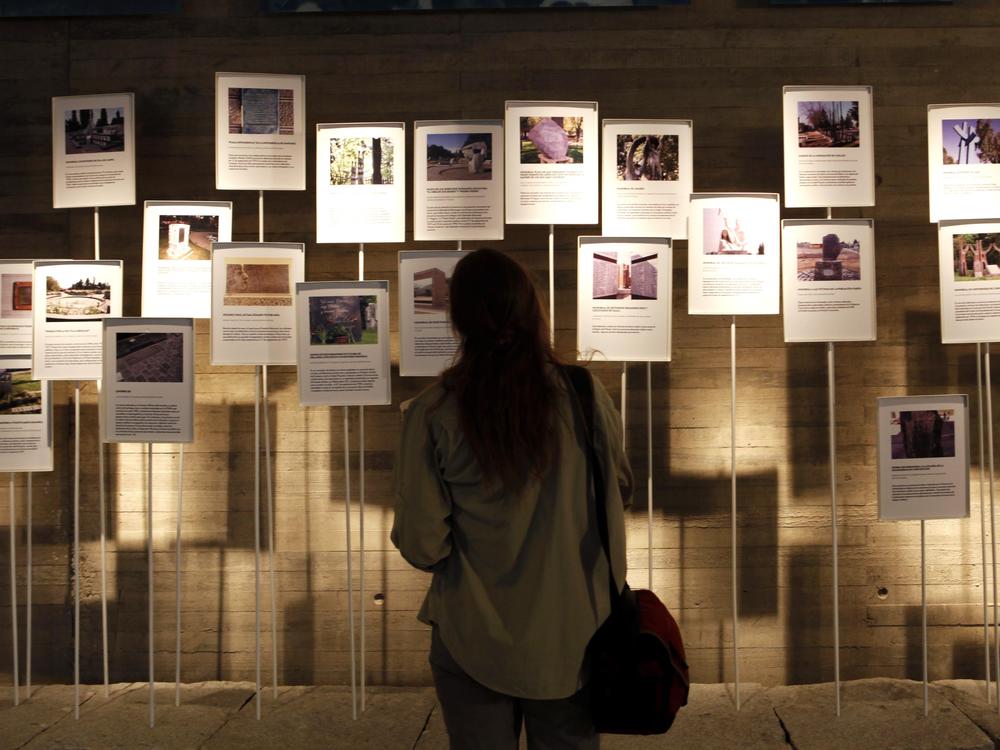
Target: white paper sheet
[15,308]
[963,165]
[427,344]
[25,418]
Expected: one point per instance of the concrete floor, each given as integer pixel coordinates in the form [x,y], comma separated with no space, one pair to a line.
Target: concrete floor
[877,714]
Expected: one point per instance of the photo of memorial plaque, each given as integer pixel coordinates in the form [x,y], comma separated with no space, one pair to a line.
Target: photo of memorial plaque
[15,295]
[261,111]
[258,282]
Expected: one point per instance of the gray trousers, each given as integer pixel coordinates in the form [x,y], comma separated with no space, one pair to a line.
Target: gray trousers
[478,718]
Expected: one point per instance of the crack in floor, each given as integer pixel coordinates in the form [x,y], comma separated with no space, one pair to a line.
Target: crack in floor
[788,735]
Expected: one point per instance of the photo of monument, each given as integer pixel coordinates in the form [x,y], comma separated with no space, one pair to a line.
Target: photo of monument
[258,282]
[923,434]
[15,295]
[726,234]
[361,161]
[551,140]
[349,319]
[624,276]
[648,157]
[459,156]
[970,141]
[188,237]
[431,287]
[149,357]
[19,394]
[94,131]
[261,111]
[829,124]
[976,256]
[71,297]
[829,259]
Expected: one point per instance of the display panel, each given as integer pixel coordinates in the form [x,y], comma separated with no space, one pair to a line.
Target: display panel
[25,418]
[253,302]
[733,255]
[177,255]
[828,279]
[923,457]
[361,182]
[148,393]
[969,277]
[15,308]
[829,146]
[552,162]
[624,297]
[647,178]
[427,343]
[343,343]
[963,160]
[70,300]
[93,151]
[458,180]
[260,134]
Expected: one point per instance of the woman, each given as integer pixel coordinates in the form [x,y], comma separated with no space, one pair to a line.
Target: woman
[492,496]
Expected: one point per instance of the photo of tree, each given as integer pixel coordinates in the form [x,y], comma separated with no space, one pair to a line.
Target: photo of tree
[349,319]
[648,157]
[976,256]
[459,156]
[91,131]
[19,394]
[361,161]
[970,142]
[829,124]
[69,296]
[551,140]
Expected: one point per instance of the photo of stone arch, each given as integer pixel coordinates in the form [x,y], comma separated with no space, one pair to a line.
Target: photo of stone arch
[976,257]
[431,289]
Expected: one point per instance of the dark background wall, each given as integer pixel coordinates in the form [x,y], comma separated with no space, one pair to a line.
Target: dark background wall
[721,63]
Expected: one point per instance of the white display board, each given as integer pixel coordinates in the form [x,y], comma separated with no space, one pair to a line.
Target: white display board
[552,162]
[15,308]
[361,182]
[25,418]
[828,279]
[624,295]
[148,392]
[343,343]
[93,150]
[253,302]
[177,242]
[923,457]
[647,178]
[70,300]
[969,277]
[260,131]
[427,343]
[963,161]
[733,254]
[829,146]
[458,180]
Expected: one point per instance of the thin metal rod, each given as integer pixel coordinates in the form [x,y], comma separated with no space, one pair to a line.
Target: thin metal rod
[829,213]
[270,536]
[361,539]
[13,587]
[102,512]
[76,552]
[732,465]
[260,216]
[831,384]
[460,246]
[624,405]
[350,571]
[982,519]
[97,233]
[649,481]
[149,566]
[256,533]
[177,579]
[988,382]
[923,605]
[552,284]
[27,598]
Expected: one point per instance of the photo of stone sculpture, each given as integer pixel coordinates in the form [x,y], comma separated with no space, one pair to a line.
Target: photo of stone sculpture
[829,259]
[149,357]
[731,234]
[361,161]
[970,141]
[648,157]
[19,394]
[258,282]
[624,275]
[976,256]
[459,156]
[15,295]
[829,124]
[343,320]
[261,111]
[72,297]
[923,434]
[188,237]
[431,288]
[551,140]
[94,131]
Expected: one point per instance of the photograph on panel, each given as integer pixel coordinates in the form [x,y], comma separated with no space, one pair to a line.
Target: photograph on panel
[728,232]
[928,433]
[15,295]
[74,295]
[624,275]
[976,256]
[431,290]
[261,111]
[551,140]
[829,124]
[459,156]
[188,237]
[258,282]
[970,142]
[19,394]
[349,319]
[95,131]
[829,258]
[149,357]
[648,157]
[361,161]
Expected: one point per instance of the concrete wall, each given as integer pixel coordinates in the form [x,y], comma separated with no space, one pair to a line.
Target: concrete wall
[720,62]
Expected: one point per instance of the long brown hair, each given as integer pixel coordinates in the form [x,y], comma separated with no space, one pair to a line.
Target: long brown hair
[505,394]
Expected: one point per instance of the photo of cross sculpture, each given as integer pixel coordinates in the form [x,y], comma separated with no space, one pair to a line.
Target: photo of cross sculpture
[967,137]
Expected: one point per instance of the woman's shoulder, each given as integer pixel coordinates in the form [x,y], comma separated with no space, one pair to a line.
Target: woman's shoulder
[433,404]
